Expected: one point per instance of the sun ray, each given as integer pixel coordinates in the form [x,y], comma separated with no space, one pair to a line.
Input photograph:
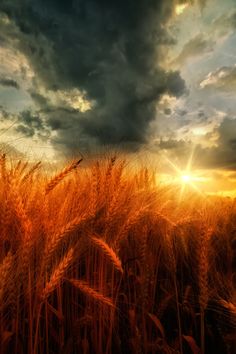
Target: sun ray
[190,160]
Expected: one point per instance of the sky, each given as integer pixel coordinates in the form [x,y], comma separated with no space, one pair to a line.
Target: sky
[152,76]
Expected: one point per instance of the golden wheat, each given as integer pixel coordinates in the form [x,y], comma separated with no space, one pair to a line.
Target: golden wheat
[58,178]
[31,171]
[109,252]
[231,307]
[5,268]
[60,291]
[53,243]
[57,274]
[90,292]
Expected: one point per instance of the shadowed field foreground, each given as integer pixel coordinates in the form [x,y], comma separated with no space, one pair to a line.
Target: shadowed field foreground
[102,260]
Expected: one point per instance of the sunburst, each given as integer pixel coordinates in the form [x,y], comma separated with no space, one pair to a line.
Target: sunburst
[186,177]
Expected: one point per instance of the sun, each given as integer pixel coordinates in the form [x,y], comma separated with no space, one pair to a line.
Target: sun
[186,178]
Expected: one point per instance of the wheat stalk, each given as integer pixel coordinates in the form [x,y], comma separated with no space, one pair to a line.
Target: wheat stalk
[4,272]
[203,266]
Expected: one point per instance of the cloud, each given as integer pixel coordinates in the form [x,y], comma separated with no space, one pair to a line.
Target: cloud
[224,23]
[222,155]
[232,176]
[31,124]
[223,79]
[196,46]
[172,144]
[39,99]
[202,3]
[9,83]
[167,111]
[111,52]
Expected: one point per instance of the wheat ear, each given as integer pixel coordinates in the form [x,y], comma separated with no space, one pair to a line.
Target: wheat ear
[31,171]
[53,243]
[229,306]
[58,178]
[109,252]
[20,209]
[3,165]
[57,275]
[90,292]
[130,222]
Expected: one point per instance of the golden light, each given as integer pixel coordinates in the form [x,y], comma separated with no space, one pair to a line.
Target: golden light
[199,131]
[190,178]
[186,178]
[179,9]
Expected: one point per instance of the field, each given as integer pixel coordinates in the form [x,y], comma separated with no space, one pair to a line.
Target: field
[101,258]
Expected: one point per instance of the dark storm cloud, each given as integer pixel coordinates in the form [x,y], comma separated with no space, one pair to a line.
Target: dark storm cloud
[39,100]
[110,50]
[30,124]
[9,83]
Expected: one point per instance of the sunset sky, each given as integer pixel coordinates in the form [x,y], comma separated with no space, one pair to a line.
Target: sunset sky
[152,76]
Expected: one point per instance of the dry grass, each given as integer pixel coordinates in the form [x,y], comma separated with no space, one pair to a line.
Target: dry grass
[103,259]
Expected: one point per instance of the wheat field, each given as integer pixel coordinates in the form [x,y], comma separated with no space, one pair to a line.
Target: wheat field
[104,259]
